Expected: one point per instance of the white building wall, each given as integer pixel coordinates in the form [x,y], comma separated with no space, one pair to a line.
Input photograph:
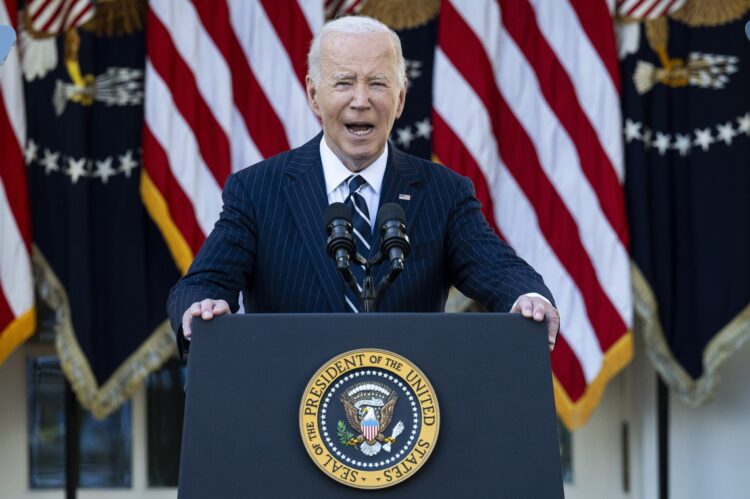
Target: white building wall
[710,445]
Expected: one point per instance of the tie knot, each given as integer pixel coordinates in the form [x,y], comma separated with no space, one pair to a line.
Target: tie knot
[355,182]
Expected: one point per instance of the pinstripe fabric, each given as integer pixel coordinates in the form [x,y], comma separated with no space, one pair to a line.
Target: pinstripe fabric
[270,242]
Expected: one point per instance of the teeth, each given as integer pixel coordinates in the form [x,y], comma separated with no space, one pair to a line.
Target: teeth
[365,129]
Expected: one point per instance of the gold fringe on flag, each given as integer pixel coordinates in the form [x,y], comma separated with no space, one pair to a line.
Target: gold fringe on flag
[402,14]
[117,17]
[702,13]
[124,382]
[728,340]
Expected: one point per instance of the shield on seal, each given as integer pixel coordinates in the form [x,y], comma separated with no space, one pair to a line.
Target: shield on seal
[370,429]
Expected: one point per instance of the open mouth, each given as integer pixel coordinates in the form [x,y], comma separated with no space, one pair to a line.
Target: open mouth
[360,129]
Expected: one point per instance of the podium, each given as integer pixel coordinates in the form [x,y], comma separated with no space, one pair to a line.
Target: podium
[247,377]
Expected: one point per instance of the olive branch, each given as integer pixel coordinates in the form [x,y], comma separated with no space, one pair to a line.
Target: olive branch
[344,435]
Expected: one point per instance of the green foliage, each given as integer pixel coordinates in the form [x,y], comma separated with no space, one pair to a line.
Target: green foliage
[344,435]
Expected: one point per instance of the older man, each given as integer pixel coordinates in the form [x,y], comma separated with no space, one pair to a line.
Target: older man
[270,241]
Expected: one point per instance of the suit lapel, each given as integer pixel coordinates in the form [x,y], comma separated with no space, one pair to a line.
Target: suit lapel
[400,186]
[307,200]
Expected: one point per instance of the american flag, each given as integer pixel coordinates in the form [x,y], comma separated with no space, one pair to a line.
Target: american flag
[526,103]
[16,292]
[336,8]
[647,9]
[58,16]
[225,88]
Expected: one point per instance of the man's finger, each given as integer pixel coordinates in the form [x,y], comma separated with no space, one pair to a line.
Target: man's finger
[220,307]
[195,309]
[553,327]
[539,308]
[187,319]
[207,309]
[527,308]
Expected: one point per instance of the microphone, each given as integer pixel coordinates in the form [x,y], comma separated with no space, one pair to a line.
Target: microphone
[340,244]
[394,241]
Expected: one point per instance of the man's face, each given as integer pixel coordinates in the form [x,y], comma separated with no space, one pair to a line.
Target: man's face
[359,95]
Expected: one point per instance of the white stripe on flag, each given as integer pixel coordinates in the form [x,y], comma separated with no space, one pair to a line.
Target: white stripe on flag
[643,7]
[314,14]
[15,268]
[273,70]
[596,92]
[178,141]
[43,15]
[212,73]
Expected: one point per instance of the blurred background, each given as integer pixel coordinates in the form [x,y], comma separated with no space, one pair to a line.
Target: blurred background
[609,142]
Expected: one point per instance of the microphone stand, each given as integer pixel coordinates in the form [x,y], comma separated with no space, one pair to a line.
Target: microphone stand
[369,293]
[340,246]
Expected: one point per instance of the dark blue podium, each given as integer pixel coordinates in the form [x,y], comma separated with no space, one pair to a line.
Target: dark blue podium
[490,372]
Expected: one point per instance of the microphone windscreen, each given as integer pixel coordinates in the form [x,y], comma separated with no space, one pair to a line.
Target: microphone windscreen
[337,211]
[390,211]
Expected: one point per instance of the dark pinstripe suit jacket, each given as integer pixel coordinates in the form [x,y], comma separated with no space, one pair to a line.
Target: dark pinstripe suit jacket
[270,243]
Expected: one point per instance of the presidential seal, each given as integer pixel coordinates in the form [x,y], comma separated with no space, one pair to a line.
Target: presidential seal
[369,418]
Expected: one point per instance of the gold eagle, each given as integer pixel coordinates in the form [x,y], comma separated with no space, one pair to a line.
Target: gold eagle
[355,416]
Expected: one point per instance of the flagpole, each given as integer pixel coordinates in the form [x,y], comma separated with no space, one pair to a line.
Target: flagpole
[71,442]
[662,409]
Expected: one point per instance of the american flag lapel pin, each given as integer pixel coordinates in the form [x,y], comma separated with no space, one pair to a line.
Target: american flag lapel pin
[404,197]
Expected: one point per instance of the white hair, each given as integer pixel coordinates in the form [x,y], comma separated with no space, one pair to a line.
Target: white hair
[353,25]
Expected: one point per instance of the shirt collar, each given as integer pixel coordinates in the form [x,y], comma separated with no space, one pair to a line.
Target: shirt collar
[335,172]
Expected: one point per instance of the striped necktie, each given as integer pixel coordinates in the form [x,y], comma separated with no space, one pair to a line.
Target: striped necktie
[362,233]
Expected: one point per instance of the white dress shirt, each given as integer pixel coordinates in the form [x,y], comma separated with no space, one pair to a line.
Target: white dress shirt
[335,174]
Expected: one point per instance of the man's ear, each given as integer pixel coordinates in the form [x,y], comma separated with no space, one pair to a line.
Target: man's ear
[401,101]
[312,94]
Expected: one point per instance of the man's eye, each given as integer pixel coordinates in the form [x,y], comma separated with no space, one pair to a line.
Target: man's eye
[342,84]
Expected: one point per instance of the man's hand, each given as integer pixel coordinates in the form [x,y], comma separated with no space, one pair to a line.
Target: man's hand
[534,307]
[205,309]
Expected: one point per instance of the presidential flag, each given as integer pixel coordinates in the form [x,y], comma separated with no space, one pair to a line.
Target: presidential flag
[104,269]
[686,106]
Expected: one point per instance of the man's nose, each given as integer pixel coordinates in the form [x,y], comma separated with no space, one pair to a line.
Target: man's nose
[361,96]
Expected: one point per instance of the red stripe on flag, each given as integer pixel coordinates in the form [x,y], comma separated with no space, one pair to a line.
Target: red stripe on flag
[262,122]
[451,152]
[74,23]
[36,8]
[212,141]
[181,210]
[520,22]
[11,6]
[291,26]
[590,15]
[520,157]
[663,7]
[54,17]
[6,315]
[13,174]
[651,9]
[566,367]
